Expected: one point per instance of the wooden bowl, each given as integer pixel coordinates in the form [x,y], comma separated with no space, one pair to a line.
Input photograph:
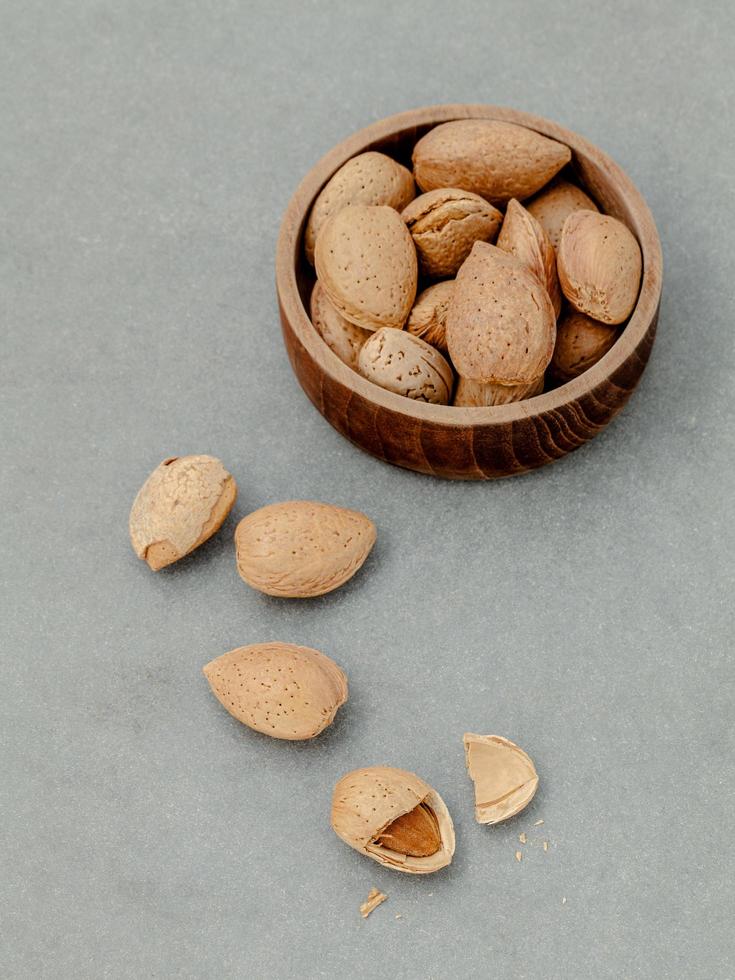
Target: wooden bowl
[467,443]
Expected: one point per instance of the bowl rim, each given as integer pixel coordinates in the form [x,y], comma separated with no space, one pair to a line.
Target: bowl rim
[294,310]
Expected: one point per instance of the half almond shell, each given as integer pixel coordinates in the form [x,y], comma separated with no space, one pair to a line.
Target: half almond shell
[505,778]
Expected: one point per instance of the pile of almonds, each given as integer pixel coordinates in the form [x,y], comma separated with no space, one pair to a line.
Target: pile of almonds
[500,280]
[301,549]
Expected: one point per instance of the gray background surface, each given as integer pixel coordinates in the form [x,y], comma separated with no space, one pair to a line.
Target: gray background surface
[147,151]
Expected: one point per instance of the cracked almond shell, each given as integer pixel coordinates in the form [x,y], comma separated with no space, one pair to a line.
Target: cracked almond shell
[428,318]
[580,343]
[523,236]
[279,689]
[501,325]
[497,160]
[599,263]
[553,205]
[505,778]
[445,224]
[181,505]
[367,802]
[477,394]
[369,178]
[366,261]
[302,548]
[406,365]
[341,336]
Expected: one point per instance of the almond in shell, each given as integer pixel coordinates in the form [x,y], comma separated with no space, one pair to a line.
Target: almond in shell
[599,263]
[302,548]
[497,160]
[505,778]
[445,224]
[428,318]
[279,689]
[369,178]
[478,394]
[395,818]
[341,336]
[501,325]
[553,205]
[523,236]
[580,343]
[183,502]
[406,365]
[366,262]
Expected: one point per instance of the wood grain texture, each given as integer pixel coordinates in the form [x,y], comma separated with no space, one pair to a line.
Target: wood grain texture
[467,443]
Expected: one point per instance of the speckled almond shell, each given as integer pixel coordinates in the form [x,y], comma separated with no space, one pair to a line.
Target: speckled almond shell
[302,548]
[366,261]
[400,362]
[553,205]
[505,778]
[369,178]
[183,502]
[501,325]
[366,801]
[580,343]
[279,689]
[497,160]
[476,394]
[428,318]
[343,337]
[600,265]
[523,236]
[445,224]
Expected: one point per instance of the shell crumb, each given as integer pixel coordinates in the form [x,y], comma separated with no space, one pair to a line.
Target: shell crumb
[538,823]
[522,838]
[519,856]
[374,899]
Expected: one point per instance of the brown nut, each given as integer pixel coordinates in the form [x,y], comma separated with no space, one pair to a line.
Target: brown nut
[445,224]
[497,160]
[366,261]
[341,336]
[580,343]
[501,325]
[428,318]
[599,263]
[183,502]
[301,548]
[505,778]
[523,236]
[279,689]
[395,818]
[400,362]
[476,394]
[369,178]
[553,205]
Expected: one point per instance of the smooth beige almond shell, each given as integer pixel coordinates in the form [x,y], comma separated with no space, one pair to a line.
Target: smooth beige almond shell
[523,236]
[428,318]
[406,365]
[580,343]
[501,325]
[183,502]
[505,778]
[302,548]
[366,261]
[279,689]
[366,801]
[497,160]
[476,394]
[341,336]
[599,263]
[445,224]
[369,178]
[552,206]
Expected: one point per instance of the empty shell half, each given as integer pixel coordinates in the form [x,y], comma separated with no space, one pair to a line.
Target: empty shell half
[279,689]
[395,818]
[505,778]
